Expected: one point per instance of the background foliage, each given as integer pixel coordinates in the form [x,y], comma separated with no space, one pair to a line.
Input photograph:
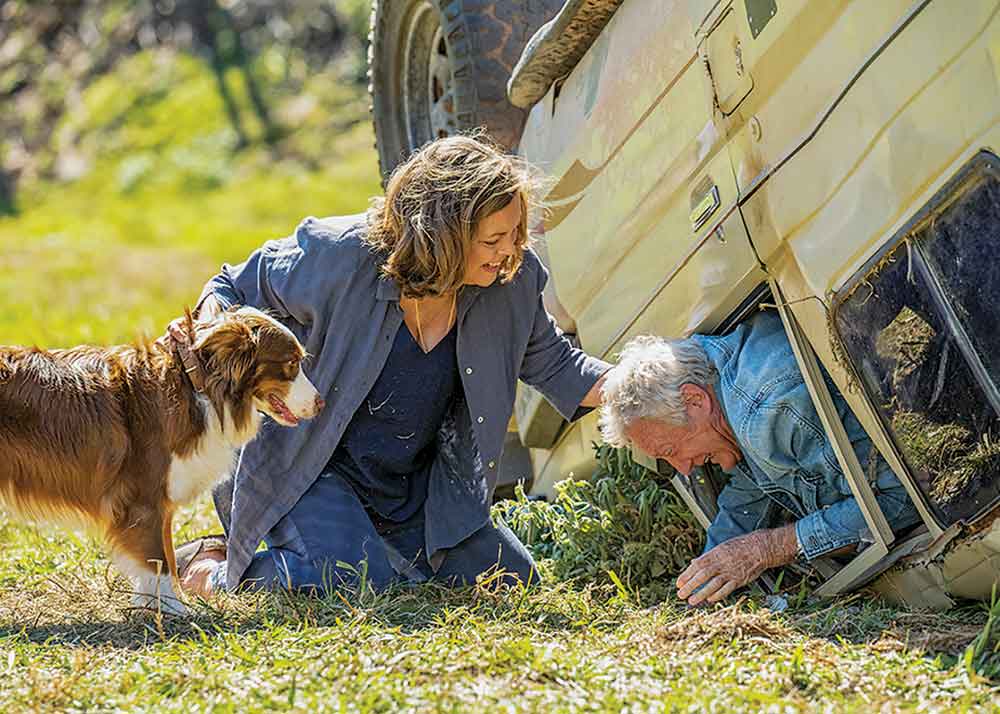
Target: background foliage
[123,159]
[259,54]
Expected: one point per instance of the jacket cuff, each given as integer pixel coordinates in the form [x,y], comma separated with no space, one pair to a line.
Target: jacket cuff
[566,390]
[816,538]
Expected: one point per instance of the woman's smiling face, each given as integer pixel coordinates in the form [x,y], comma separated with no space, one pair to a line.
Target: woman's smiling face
[492,244]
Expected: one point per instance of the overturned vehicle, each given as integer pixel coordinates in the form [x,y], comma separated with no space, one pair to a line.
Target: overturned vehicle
[836,161]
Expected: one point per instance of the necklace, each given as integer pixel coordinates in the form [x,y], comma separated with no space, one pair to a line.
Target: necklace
[420,332]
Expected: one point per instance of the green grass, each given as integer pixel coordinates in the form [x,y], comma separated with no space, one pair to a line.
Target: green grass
[124,249]
[68,643]
[75,274]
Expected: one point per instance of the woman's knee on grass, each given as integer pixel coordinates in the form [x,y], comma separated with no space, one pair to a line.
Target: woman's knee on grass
[280,569]
[491,552]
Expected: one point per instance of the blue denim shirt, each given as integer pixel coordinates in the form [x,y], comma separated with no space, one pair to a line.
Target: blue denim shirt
[324,283]
[788,463]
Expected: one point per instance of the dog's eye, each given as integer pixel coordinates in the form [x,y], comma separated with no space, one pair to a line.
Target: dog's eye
[292,367]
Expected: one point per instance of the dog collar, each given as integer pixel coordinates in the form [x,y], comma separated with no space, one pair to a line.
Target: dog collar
[192,366]
[189,358]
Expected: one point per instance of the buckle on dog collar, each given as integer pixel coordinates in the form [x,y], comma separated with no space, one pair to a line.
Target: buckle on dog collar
[192,367]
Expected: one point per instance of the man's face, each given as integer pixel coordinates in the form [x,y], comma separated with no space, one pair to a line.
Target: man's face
[492,244]
[706,436]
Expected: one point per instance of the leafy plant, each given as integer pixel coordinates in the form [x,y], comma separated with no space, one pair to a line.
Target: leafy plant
[982,655]
[627,520]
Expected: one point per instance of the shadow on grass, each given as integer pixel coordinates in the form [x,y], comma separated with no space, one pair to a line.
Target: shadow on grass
[967,635]
[134,632]
[557,607]
[863,618]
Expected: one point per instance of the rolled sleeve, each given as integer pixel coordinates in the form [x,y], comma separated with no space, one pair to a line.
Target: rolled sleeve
[261,281]
[842,523]
[561,372]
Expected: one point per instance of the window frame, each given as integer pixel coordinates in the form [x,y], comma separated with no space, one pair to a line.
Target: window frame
[964,180]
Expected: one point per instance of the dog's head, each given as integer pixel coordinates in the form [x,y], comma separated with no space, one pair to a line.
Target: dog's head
[253,362]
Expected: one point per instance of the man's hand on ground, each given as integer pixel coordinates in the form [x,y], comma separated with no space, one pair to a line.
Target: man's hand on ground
[736,563]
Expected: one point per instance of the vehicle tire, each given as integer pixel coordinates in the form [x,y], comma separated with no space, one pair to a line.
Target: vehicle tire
[438,67]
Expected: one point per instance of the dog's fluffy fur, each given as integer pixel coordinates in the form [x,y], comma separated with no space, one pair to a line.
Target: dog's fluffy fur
[117,438]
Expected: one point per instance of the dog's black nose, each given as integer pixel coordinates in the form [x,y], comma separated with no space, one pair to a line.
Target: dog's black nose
[319,404]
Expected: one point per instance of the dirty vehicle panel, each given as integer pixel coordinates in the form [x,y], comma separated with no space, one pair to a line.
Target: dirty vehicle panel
[644,199]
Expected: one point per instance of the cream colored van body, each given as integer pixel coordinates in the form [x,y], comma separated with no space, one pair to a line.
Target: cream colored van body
[703,152]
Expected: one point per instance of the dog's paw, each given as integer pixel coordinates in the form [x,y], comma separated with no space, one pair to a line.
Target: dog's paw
[166,605]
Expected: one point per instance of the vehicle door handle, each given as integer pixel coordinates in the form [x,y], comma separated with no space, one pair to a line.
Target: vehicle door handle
[704,202]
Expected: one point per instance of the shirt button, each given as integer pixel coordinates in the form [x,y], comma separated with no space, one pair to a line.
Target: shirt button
[493,464]
[480,419]
[468,370]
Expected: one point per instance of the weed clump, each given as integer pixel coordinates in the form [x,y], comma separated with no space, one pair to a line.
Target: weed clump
[626,524]
[949,452]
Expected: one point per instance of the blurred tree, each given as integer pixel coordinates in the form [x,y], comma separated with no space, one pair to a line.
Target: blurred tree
[7,207]
[49,52]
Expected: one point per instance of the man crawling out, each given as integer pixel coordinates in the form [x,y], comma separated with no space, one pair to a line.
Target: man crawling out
[739,401]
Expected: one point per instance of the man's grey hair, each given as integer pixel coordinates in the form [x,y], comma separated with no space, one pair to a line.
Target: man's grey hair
[646,384]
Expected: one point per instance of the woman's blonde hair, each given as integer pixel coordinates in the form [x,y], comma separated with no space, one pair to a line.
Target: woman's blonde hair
[425,224]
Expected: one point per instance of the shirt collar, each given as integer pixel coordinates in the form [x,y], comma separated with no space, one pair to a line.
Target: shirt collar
[388,289]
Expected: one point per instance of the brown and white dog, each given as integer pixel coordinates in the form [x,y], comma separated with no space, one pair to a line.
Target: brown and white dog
[118,437]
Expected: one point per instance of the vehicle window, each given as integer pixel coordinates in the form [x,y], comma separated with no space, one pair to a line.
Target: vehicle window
[965,255]
[920,328]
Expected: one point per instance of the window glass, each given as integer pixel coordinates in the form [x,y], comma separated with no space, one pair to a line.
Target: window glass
[917,327]
[963,248]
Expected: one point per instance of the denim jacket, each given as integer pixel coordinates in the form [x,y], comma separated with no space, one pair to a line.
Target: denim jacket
[788,461]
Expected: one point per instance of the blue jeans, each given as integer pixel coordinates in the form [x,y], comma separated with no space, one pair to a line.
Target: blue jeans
[336,541]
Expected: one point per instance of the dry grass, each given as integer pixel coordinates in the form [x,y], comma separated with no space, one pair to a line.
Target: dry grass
[69,642]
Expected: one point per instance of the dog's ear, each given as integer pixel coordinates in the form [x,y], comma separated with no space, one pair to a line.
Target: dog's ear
[227,349]
[230,342]
[228,352]
[203,330]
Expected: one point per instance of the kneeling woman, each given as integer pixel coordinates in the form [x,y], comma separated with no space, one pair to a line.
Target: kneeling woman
[420,317]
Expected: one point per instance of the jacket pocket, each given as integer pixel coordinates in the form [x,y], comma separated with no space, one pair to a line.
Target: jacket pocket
[808,489]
